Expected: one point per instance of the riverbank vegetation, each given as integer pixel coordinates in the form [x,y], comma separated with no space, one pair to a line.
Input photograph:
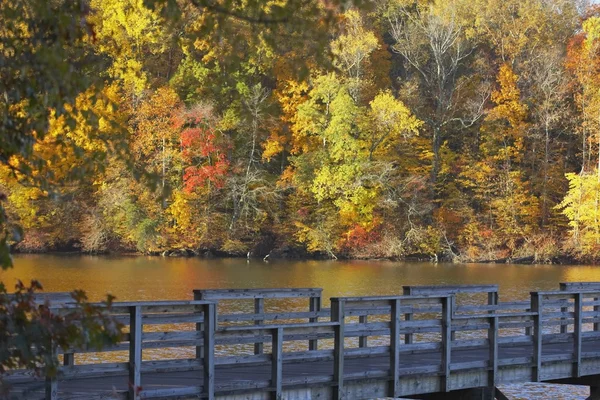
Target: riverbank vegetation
[464,129]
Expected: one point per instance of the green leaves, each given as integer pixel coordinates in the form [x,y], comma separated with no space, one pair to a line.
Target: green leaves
[30,333]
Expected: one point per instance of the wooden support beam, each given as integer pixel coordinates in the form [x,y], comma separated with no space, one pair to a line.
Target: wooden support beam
[51,384]
[594,393]
[337,315]
[277,364]
[577,335]
[363,340]
[314,306]
[394,390]
[447,303]
[208,361]
[499,395]
[408,338]
[259,308]
[536,307]
[51,388]
[135,352]
[493,351]
[68,359]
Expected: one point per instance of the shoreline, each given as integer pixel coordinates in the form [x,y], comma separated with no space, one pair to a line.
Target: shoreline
[562,259]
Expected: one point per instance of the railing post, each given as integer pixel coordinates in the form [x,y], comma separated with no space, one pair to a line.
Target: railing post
[68,359]
[446,341]
[135,352]
[51,384]
[199,327]
[493,351]
[259,308]
[596,313]
[337,315]
[314,306]
[277,363]
[536,307]
[577,327]
[564,328]
[208,361]
[394,390]
[408,338]
[363,341]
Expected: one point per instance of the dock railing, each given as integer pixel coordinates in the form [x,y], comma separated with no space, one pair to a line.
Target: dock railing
[557,327]
[172,318]
[261,314]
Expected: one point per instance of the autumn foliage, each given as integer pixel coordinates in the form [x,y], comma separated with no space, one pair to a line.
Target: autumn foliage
[462,130]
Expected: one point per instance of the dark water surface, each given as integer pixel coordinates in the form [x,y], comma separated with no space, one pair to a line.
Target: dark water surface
[156,278]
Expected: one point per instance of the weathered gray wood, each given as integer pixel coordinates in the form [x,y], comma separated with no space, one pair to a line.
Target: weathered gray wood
[208,361]
[310,315]
[314,306]
[337,316]
[234,294]
[68,359]
[408,338]
[363,341]
[499,395]
[448,289]
[578,286]
[51,389]
[51,383]
[277,364]
[259,308]
[493,351]
[536,307]
[577,333]
[446,342]
[395,315]
[429,365]
[135,351]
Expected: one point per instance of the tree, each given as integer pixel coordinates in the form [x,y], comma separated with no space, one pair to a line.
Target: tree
[433,41]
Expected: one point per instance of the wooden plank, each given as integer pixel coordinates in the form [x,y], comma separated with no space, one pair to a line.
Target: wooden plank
[277,364]
[493,352]
[179,392]
[499,395]
[446,342]
[69,359]
[135,352]
[536,307]
[314,305]
[51,383]
[363,340]
[577,286]
[310,315]
[208,361]
[408,338]
[577,336]
[394,388]
[53,298]
[259,308]
[269,293]
[564,327]
[448,289]
[337,316]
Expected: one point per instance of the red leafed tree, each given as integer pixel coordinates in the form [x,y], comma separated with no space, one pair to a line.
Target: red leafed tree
[204,149]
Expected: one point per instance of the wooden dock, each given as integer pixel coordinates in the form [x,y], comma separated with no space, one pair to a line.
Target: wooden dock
[446,342]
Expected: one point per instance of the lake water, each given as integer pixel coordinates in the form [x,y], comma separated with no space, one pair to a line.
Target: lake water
[156,278]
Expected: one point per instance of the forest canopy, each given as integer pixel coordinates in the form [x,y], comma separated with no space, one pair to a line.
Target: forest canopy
[463,129]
